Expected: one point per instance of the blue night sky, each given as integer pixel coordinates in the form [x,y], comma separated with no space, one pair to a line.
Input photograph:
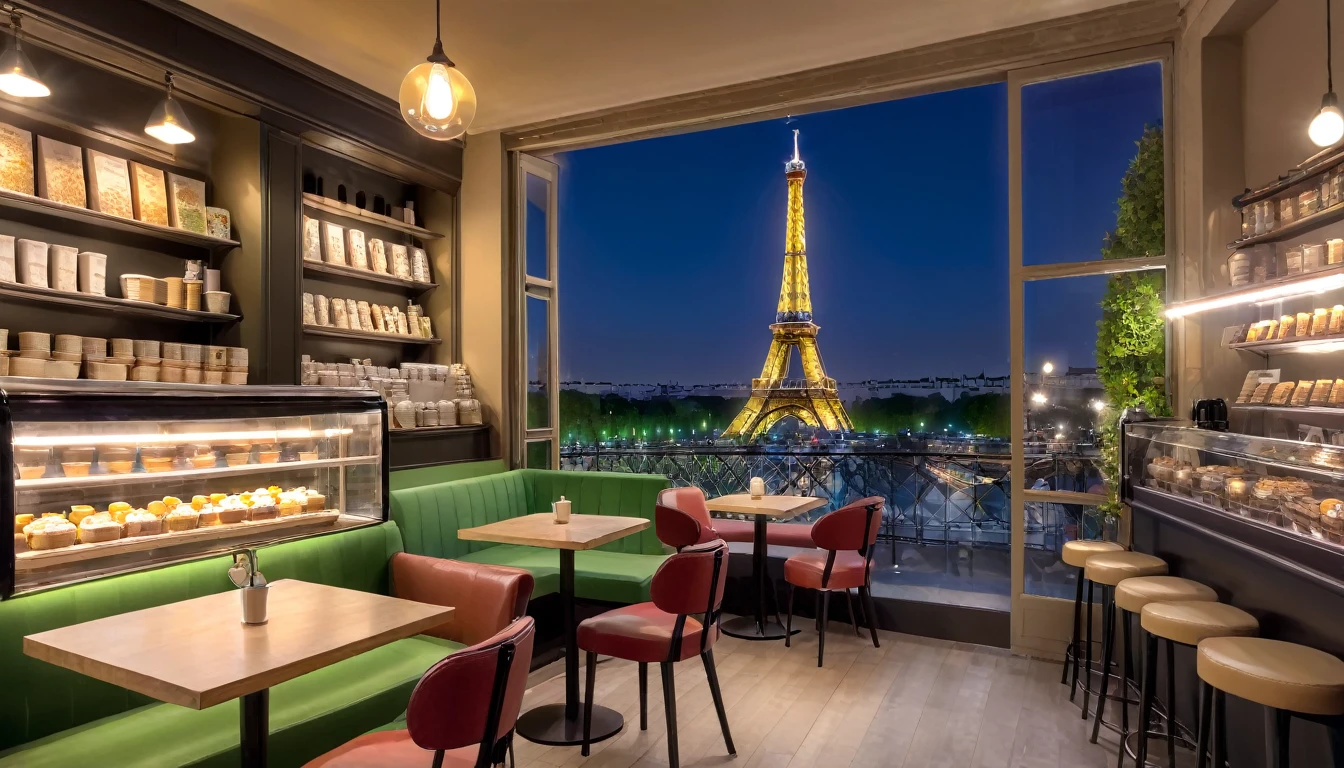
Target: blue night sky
[671,249]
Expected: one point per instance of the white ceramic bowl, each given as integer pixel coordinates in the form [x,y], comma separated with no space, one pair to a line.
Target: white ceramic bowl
[217,301]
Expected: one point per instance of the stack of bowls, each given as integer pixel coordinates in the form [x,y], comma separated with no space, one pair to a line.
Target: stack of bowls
[192,355]
[236,373]
[148,360]
[34,354]
[216,364]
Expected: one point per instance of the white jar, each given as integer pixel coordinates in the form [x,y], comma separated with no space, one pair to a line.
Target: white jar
[93,273]
[64,268]
[7,258]
[32,263]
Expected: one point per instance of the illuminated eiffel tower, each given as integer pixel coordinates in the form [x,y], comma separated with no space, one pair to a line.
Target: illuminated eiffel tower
[810,398]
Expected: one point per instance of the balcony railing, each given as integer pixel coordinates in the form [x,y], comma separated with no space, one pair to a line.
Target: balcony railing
[931,498]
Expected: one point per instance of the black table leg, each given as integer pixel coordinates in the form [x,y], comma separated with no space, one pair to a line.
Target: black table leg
[254,725]
[758,627]
[561,725]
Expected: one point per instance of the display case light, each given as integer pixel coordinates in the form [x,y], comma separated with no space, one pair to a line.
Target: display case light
[255,436]
[1270,293]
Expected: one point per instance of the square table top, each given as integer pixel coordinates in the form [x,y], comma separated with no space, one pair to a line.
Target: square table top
[778,507]
[540,530]
[198,653]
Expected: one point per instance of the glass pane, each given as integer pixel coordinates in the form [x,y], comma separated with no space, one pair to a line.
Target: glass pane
[1088,142]
[538,363]
[539,454]
[1048,526]
[535,225]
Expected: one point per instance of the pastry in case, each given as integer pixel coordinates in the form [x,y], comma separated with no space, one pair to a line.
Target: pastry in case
[1332,521]
[53,532]
[1236,494]
[231,510]
[143,523]
[99,527]
[80,511]
[209,515]
[183,518]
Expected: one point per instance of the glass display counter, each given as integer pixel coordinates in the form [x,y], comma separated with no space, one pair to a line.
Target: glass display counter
[99,478]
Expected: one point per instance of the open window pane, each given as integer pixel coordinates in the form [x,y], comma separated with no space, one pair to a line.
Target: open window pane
[1048,527]
[536,225]
[538,363]
[538,454]
[1080,137]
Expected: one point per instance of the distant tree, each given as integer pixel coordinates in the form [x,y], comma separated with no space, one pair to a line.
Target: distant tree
[1131,335]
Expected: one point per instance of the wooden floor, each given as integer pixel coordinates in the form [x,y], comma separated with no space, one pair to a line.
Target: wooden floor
[915,702]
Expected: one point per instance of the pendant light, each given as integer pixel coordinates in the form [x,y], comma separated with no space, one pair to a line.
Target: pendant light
[1327,127]
[436,98]
[168,122]
[18,77]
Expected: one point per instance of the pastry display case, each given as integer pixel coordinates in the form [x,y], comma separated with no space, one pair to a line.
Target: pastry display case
[104,477]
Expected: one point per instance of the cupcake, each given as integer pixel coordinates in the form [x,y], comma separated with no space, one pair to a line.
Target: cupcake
[99,527]
[315,502]
[183,518]
[209,515]
[231,510]
[49,533]
[143,523]
[263,506]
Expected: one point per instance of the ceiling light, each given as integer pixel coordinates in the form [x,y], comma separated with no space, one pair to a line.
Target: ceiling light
[18,76]
[1328,126]
[168,122]
[1298,288]
[436,99]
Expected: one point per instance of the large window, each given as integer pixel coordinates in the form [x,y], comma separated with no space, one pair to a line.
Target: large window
[536,243]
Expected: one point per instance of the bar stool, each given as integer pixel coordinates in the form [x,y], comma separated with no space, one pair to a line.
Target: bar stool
[1075,554]
[1286,678]
[1183,623]
[1109,569]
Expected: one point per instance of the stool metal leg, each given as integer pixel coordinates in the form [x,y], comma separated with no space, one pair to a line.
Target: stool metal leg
[1171,704]
[1073,640]
[1146,699]
[1219,729]
[1087,668]
[1276,737]
[1108,648]
[1125,617]
[1205,724]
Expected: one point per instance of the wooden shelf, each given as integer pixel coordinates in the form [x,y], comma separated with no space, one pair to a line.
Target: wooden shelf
[1308,344]
[1313,166]
[1293,228]
[323,270]
[47,483]
[15,202]
[35,295]
[1255,292]
[426,431]
[351,213]
[46,558]
[353,335]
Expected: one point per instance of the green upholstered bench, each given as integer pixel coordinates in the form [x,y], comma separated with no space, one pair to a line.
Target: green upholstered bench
[50,716]
[619,572]
[443,473]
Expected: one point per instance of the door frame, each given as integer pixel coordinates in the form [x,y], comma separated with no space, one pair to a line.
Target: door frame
[547,289]
[1042,626]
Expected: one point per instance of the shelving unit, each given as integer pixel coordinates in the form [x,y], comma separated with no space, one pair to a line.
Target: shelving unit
[48,483]
[324,270]
[12,203]
[386,338]
[1280,288]
[1311,168]
[353,213]
[1293,228]
[34,294]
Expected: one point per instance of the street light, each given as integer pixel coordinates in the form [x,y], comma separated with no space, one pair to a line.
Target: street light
[1038,398]
[1098,406]
[1048,368]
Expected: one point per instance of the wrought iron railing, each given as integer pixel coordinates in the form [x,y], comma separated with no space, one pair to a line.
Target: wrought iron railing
[931,498]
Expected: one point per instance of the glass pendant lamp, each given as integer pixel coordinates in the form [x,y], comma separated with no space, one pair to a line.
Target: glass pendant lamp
[436,99]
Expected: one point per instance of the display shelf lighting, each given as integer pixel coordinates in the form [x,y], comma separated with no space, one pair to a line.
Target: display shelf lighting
[168,122]
[1274,292]
[18,76]
[256,435]
[436,99]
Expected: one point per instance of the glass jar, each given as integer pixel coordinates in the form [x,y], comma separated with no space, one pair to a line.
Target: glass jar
[1236,493]
[1308,202]
[1313,257]
[1239,269]
[1292,260]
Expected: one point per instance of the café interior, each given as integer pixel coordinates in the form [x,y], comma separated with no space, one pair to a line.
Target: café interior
[335,404]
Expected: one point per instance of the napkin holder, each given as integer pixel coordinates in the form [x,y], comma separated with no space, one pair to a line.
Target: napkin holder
[561,510]
[757,487]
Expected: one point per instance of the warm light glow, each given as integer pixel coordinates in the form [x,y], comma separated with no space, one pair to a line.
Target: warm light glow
[169,133]
[1327,127]
[258,435]
[1098,406]
[1296,288]
[16,83]
[1048,368]
[169,122]
[1037,398]
[438,102]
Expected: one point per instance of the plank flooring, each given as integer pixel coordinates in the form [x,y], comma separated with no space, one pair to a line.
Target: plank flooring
[913,703]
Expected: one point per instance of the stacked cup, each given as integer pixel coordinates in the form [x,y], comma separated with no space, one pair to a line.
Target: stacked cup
[148,360]
[192,355]
[216,364]
[236,373]
[193,288]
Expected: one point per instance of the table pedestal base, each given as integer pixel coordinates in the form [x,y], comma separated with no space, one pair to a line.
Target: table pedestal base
[547,725]
[746,628]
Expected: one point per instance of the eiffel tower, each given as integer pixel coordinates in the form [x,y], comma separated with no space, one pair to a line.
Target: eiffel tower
[812,397]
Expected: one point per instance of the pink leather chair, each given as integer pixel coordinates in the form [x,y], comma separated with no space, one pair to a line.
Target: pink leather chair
[461,713]
[843,561]
[691,500]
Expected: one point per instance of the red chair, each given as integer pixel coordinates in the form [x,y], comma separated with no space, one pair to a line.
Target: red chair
[843,562]
[681,622]
[461,713]
[691,500]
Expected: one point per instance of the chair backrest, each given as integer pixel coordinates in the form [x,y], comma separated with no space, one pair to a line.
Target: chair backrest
[688,499]
[691,582]
[676,528]
[851,527]
[474,695]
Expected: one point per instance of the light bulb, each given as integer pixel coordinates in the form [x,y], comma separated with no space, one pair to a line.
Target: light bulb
[18,77]
[1328,126]
[169,122]
[438,93]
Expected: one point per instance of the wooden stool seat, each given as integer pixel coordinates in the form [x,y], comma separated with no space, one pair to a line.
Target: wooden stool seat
[1190,622]
[1275,674]
[1076,552]
[1133,594]
[1111,568]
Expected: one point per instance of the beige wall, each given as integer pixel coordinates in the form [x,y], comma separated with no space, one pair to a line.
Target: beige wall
[484,329]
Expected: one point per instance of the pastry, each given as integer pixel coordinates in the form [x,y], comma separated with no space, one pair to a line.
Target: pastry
[1320,394]
[1337,318]
[1320,322]
[184,518]
[119,506]
[316,502]
[289,505]
[76,468]
[1282,392]
[1286,326]
[268,457]
[80,511]
[231,510]
[21,520]
[216,498]
[1303,324]
[156,508]
[266,510]
[157,463]
[1303,392]
[49,533]
[143,523]
[120,467]
[203,460]
[209,515]
[171,502]
[20,543]
[198,502]
[99,527]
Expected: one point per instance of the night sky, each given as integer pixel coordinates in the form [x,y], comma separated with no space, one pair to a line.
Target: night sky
[671,249]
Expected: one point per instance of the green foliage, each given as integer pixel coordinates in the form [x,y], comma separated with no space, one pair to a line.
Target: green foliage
[1131,335]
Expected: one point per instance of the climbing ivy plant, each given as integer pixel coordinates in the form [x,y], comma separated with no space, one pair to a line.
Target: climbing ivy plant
[1131,335]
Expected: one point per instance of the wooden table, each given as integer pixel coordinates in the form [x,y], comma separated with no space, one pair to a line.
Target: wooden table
[760,627]
[198,653]
[562,724]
